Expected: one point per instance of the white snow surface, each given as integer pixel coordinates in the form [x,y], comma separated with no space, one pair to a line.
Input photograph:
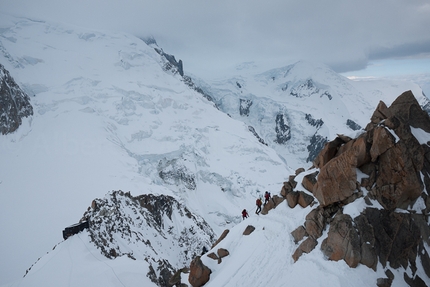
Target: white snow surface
[107,116]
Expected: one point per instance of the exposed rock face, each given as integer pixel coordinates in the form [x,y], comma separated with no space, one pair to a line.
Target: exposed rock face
[252,130]
[282,129]
[14,103]
[121,224]
[316,144]
[244,106]
[199,273]
[174,172]
[397,155]
[171,64]
[337,179]
[353,125]
[309,181]
[342,241]
[394,152]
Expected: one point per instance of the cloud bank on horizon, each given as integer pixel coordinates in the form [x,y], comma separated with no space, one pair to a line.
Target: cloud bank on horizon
[210,35]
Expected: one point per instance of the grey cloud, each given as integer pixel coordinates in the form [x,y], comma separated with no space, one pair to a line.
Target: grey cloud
[342,34]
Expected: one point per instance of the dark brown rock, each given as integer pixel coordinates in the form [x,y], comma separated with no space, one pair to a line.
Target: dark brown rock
[213,256]
[328,152]
[223,235]
[304,199]
[248,230]
[382,141]
[292,199]
[315,222]
[299,233]
[199,273]
[222,252]
[286,188]
[299,170]
[342,241]
[337,179]
[397,238]
[310,180]
[305,247]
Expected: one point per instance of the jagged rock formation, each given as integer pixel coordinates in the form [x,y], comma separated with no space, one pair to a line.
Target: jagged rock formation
[316,144]
[252,130]
[14,103]
[244,106]
[282,129]
[174,172]
[394,155]
[157,229]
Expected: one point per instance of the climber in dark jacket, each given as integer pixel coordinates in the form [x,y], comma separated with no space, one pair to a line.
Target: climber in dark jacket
[258,203]
[244,214]
[267,197]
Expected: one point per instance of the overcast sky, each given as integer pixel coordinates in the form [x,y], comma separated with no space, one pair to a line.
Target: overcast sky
[211,35]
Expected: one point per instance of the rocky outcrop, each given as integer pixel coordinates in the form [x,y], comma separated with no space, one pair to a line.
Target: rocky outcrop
[175,172]
[223,235]
[282,129]
[261,140]
[199,273]
[139,227]
[316,144]
[244,105]
[248,230]
[394,155]
[14,103]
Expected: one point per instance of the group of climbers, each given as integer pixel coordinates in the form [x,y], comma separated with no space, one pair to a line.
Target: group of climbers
[258,202]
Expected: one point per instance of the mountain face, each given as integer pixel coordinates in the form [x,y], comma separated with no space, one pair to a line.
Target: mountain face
[157,229]
[298,108]
[367,204]
[14,103]
[114,112]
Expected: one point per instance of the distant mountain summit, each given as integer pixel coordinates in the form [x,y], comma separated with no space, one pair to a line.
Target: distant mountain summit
[297,108]
[14,103]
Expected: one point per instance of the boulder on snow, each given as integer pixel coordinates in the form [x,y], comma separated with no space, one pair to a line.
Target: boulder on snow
[223,235]
[199,273]
[213,256]
[222,252]
[299,233]
[310,180]
[248,230]
[304,199]
[305,247]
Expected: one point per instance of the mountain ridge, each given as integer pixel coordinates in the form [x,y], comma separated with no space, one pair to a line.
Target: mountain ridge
[112,113]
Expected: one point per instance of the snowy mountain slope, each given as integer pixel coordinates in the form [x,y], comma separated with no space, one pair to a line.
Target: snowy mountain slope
[312,102]
[263,258]
[109,116]
[77,262]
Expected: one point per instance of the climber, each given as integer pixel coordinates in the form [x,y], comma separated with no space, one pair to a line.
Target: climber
[244,214]
[267,197]
[258,203]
